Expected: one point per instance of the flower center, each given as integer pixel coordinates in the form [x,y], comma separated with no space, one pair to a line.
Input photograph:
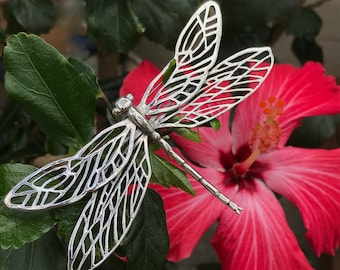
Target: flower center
[265,136]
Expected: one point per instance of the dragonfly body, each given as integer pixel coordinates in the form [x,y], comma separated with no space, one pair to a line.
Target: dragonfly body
[114,167]
[197,176]
[124,105]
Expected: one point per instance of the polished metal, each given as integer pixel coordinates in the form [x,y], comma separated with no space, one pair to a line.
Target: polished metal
[115,167]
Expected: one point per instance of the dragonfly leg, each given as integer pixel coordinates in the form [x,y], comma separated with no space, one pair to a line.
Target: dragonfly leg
[210,187]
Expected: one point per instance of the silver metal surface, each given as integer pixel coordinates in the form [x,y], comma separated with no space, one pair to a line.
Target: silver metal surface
[114,166]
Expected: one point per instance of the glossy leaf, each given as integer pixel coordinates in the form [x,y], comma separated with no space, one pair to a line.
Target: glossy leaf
[240,15]
[114,23]
[169,71]
[188,134]
[304,22]
[166,174]
[314,131]
[57,95]
[18,228]
[33,16]
[88,74]
[67,217]
[13,137]
[215,124]
[164,20]
[45,253]
[113,263]
[54,148]
[233,42]
[147,242]
[2,36]
[306,50]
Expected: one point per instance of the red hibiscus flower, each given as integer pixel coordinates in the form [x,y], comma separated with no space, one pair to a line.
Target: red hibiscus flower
[252,165]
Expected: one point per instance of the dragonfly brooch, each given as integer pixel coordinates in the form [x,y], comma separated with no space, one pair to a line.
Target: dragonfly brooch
[115,167]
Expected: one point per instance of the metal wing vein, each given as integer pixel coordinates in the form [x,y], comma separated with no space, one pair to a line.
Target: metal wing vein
[115,165]
[67,180]
[108,215]
[228,83]
[195,54]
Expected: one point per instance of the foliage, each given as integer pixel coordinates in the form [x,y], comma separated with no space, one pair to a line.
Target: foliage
[54,101]
[28,58]
[119,24]
[19,228]
[41,254]
[30,15]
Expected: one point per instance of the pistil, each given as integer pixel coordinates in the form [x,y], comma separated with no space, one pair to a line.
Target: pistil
[265,135]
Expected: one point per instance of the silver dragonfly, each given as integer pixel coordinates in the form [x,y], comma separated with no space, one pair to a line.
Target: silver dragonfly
[115,167]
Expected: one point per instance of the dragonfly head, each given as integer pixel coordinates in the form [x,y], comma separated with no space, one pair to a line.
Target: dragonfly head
[123,104]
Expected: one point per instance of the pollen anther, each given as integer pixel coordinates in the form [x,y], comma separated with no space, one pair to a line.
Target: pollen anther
[267,133]
[267,111]
[263,104]
[265,136]
[271,99]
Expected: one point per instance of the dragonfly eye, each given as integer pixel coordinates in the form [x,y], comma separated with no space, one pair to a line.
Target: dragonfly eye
[123,104]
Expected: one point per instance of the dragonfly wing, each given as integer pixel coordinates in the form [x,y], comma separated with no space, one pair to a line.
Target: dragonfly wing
[108,216]
[195,54]
[228,83]
[67,180]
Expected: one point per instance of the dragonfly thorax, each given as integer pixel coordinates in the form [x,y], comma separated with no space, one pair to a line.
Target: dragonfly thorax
[123,104]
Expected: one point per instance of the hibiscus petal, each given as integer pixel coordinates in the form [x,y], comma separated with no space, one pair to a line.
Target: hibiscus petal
[188,217]
[306,91]
[138,80]
[214,149]
[260,237]
[311,180]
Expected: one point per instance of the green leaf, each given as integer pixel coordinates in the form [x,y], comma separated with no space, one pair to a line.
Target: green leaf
[306,50]
[67,217]
[313,131]
[57,95]
[215,124]
[34,16]
[114,23]
[245,15]
[188,134]
[18,228]
[164,19]
[166,174]
[13,132]
[45,253]
[147,241]
[169,71]
[233,42]
[11,174]
[2,36]
[54,147]
[88,73]
[304,22]
[119,264]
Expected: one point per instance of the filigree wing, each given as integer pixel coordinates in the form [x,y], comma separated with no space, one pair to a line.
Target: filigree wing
[67,180]
[108,215]
[228,83]
[195,54]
